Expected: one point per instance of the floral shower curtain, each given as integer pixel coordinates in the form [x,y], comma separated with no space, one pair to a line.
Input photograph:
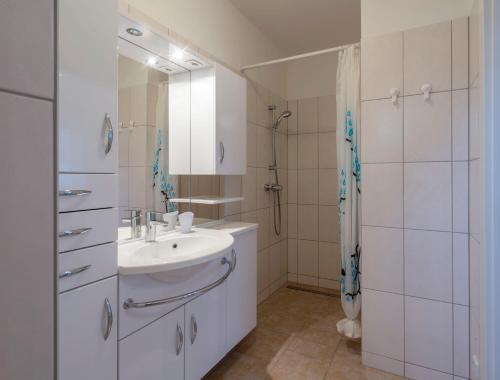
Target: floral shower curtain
[348,105]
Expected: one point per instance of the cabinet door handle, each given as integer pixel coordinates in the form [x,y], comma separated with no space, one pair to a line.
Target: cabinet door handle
[108,310]
[234,259]
[194,329]
[72,272]
[74,193]
[76,232]
[179,340]
[221,149]
[108,131]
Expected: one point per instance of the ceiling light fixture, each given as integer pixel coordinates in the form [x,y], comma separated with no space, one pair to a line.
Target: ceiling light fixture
[178,53]
[151,61]
[134,32]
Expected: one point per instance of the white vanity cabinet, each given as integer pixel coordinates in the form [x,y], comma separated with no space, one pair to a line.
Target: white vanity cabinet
[206,332]
[87,86]
[156,352]
[87,336]
[242,289]
[217,143]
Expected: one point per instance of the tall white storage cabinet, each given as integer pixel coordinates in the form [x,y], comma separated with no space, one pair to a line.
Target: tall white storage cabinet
[217,143]
[88,191]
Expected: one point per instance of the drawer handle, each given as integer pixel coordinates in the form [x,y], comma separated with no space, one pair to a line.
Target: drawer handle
[72,272]
[109,133]
[74,193]
[76,232]
[179,340]
[221,147]
[194,329]
[109,318]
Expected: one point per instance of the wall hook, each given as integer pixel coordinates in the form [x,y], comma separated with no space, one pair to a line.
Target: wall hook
[394,92]
[426,90]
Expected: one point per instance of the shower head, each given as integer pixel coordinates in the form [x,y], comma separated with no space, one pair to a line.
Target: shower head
[284,115]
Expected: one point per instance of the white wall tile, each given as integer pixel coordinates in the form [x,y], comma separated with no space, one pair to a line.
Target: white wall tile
[292,221]
[249,190]
[123,148]
[382,363]
[427,58]
[329,260]
[327,187]
[381,131]
[427,128]
[328,284]
[327,116]
[428,264]
[307,280]
[293,119]
[420,373]
[138,144]
[308,115]
[251,102]
[123,183]
[474,122]
[308,186]
[381,65]
[292,151]
[292,186]
[263,147]
[308,151]
[262,269]
[263,234]
[427,196]
[264,198]
[274,263]
[307,253]
[460,197]
[327,150]
[251,144]
[460,124]
[461,340]
[460,52]
[382,335]
[461,269]
[328,224]
[382,195]
[429,334]
[474,198]
[382,264]
[292,256]
[307,222]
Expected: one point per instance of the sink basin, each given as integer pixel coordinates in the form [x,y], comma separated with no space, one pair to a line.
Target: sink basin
[173,251]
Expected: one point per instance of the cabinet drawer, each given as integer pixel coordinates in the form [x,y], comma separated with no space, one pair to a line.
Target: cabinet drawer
[87,265]
[87,191]
[87,228]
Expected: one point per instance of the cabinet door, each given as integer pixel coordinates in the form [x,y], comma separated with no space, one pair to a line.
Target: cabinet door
[230,121]
[87,349]
[155,352]
[205,332]
[242,289]
[87,85]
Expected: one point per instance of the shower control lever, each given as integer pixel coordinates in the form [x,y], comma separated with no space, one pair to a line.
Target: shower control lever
[273,187]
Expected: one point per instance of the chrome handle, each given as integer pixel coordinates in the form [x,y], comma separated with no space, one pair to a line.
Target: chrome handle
[131,304]
[76,232]
[72,272]
[74,193]
[234,259]
[221,148]
[179,340]
[109,318]
[108,130]
[194,328]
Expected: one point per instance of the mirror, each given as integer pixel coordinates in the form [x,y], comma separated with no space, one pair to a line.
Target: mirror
[154,108]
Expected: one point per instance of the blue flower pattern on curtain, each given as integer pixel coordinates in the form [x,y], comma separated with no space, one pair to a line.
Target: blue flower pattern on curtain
[166,188]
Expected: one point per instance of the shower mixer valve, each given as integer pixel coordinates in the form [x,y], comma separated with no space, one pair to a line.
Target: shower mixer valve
[273,187]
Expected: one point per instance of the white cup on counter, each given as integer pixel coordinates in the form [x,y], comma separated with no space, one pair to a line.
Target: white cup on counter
[171,219]
[186,221]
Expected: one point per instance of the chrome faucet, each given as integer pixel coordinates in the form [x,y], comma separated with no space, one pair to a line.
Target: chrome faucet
[152,219]
[135,223]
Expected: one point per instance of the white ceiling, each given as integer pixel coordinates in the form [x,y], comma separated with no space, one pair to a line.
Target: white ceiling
[300,26]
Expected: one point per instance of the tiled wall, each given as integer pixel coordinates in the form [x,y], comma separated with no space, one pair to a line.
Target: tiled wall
[415,202]
[257,206]
[475,183]
[313,248]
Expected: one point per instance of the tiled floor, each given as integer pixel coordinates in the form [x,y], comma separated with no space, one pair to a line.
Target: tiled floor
[296,338]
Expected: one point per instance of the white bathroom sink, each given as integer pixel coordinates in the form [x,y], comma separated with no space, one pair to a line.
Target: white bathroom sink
[173,251]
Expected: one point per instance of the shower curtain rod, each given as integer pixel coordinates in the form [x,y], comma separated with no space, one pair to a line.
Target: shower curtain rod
[295,57]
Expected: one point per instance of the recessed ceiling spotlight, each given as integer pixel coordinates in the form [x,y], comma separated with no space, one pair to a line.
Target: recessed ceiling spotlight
[151,61]
[178,53]
[134,32]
